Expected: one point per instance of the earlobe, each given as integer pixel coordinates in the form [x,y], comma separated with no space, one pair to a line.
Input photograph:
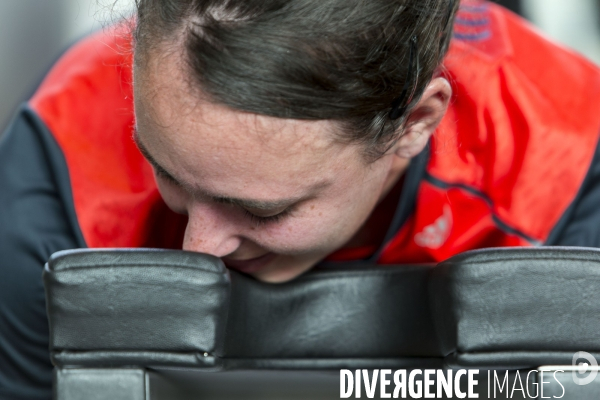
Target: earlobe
[424,118]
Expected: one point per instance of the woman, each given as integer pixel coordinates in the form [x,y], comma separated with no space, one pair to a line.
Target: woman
[282,133]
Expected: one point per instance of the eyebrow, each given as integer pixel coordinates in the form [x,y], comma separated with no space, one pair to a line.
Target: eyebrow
[263,205]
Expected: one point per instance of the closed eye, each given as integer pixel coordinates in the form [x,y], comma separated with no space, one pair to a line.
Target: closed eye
[258,219]
[271,219]
[161,173]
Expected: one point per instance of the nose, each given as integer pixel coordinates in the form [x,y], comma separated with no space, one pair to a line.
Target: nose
[210,231]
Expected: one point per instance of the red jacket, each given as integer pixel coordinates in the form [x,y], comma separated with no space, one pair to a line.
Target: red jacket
[506,163]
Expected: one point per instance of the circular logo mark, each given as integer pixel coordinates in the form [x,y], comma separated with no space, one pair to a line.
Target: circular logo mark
[584,367]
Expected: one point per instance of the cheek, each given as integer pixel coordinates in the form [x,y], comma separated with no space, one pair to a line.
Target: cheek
[332,224]
[317,229]
[328,223]
[299,236]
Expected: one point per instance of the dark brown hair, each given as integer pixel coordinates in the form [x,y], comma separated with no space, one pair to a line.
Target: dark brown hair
[344,60]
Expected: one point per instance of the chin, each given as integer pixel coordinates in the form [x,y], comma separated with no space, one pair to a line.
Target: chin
[281,274]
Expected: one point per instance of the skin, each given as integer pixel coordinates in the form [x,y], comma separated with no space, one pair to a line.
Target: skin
[271,197]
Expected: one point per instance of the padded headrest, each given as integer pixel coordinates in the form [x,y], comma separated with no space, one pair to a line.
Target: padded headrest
[509,307]
[518,306]
[125,307]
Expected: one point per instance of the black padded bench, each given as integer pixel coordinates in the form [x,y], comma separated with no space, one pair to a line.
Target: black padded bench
[152,324]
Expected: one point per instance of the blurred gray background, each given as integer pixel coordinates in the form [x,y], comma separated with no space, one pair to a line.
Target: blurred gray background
[33,34]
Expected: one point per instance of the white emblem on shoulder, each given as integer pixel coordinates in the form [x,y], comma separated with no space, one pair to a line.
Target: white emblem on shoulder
[435,235]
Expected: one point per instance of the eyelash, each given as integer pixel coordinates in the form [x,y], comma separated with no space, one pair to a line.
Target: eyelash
[266,220]
[162,174]
[258,220]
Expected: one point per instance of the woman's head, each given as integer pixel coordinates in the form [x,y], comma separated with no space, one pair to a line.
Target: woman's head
[284,122]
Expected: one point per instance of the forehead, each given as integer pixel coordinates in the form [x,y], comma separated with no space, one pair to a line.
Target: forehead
[196,137]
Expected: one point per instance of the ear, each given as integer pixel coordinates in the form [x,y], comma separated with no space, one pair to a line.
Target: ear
[424,118]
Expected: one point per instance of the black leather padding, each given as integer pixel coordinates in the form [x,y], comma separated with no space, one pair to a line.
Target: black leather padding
[498,308]
[517,306]
[162,303]
[176,308]
[360,312]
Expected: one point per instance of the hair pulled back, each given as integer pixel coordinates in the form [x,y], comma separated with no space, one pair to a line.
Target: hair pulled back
[343,60]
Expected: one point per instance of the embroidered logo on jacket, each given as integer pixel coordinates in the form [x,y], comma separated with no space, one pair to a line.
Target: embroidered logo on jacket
[472,22]
[435,235]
